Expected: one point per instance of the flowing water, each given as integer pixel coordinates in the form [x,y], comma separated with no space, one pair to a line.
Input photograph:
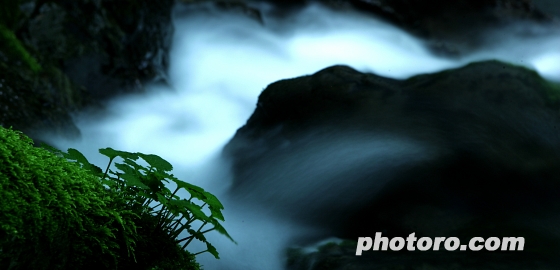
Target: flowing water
[221,61]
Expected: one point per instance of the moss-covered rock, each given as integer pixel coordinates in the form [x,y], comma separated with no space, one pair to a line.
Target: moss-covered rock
[33,101]
[55,214]
[59,56]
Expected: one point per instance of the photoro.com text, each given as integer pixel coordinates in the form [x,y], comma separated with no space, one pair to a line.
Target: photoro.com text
[412,243]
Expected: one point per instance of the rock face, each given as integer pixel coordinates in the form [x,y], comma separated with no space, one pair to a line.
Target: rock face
[466,152]
[454,27]
[450,28]
[58,56]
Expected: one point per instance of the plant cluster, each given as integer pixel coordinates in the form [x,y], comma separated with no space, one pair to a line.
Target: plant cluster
[144,190]
[62,212]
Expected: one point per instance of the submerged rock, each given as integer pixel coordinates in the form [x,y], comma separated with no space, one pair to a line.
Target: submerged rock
[467,152]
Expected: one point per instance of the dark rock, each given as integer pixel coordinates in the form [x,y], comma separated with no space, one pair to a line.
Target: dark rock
[108,46]
[342,257]
[551,7]
[63,55]
[450,28]
[32,102]
[455,27]
[466,152]
[209,7]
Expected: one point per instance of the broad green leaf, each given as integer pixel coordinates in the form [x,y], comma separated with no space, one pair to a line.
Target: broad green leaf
[195,191]
[133,180]
[76,155]
[112,153]
[133,164]
[216,213]
[212,201]
[125,168]
[218,227]
[212,250]
[162,199]
[187,186]
[163,176]
[154,183]
[51,149]
[197,235]
[152,196]
[157,162]
[73,154]
[109,152]
[193,208]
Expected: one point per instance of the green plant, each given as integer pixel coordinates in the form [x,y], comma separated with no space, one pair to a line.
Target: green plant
[142,186]
[54,214]
[61,212]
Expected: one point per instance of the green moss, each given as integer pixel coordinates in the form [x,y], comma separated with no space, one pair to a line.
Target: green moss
[51,50]
[53,214]
[56,213]
[13,47]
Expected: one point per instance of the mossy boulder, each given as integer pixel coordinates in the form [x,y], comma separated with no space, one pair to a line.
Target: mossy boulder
[55,214]
[59,56]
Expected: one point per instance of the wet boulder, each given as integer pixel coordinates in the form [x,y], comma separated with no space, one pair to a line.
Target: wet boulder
[466,152]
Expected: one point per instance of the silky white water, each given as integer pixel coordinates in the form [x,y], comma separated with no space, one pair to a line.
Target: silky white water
[221,61]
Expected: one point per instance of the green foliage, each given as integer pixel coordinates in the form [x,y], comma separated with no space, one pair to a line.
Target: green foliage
[61,212]
[53,214]
[144,188]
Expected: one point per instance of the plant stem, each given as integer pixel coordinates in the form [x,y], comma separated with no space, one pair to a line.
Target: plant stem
[108,165]
[200,252]
[181,240]
[157,205]
[190,240]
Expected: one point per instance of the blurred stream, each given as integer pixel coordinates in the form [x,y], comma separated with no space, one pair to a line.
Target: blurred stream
[221,61]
